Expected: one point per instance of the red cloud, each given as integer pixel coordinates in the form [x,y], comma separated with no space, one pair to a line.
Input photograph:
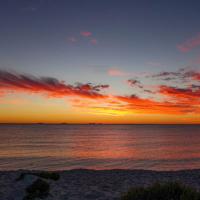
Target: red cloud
[179,100]
[189,95]
[135,104]
[47,85]
[189,44]
[196,76]
[86,33]
[147,106]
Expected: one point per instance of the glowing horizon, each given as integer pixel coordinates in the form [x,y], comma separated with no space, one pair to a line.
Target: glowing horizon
[60,102]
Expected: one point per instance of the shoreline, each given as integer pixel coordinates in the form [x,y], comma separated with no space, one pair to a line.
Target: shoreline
[92,184]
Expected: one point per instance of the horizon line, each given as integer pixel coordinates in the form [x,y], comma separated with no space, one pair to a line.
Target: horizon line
[65,123]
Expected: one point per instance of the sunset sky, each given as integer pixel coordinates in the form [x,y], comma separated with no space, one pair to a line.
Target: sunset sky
[106,61]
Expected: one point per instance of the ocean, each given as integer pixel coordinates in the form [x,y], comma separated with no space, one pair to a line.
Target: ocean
[61,147]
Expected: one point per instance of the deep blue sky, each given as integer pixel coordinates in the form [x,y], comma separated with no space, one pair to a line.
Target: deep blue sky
[131,36]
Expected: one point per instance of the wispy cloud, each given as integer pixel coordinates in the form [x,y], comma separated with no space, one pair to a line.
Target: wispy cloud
[84,36]
[189,44]
[86,33]
[134,83]
[117,72]
[182,75]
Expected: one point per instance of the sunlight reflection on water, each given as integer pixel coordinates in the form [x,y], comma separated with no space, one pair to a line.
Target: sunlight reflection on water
[58,147]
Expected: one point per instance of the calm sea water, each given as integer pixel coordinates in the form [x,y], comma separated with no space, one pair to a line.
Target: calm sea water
[59,147]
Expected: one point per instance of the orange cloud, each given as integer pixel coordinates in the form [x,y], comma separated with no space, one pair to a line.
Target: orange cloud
[189,95]
[173,100]
[120,105]
[148,106]
[50,86]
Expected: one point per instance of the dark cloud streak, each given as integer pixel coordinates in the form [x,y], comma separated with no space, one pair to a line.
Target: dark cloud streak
[52,87]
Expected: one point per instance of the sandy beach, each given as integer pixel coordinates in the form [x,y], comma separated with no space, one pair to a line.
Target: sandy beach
[83,184]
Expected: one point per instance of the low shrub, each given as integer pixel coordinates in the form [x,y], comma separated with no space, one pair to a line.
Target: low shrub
[38,189]
[48,175]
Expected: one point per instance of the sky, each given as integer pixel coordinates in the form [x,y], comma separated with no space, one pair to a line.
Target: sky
[108,61]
